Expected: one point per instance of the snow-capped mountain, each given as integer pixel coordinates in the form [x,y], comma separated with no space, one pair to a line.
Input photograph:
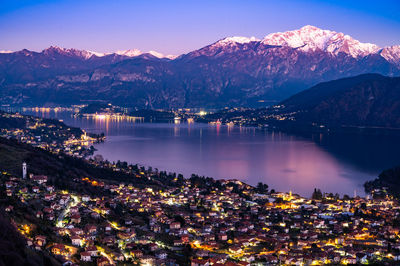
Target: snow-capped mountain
[311,39]
[231,71]
[307,39]
[52,50]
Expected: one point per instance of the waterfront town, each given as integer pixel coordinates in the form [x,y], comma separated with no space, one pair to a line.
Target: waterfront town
[223,223]
[48,134]
[150,217]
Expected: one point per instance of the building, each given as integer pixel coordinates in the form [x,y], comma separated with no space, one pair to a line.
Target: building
[24,170]
[85,256]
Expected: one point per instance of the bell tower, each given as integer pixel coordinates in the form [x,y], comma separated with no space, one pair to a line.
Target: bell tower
[24,170]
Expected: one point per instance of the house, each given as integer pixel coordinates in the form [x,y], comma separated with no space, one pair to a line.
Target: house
[76,218]
[108,228]
[76,240]
[90,229]
[92,250]
[50,217]
[199,262]
[185,239]
[40,240]
[49,197]
[9,184]
[202,253]
[109,240]
[103,261]
[76,231]
[153,247]
[85,256]
[161,255]
[178,242]
[149,260]
[223,237]
[349,260]
[175,225]
[74,209]
[136,253]
[235,249]
[59,249]
[40,179]
[85,198]
[119,257]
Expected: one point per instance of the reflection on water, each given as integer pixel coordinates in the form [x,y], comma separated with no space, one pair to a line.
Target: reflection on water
[333,163]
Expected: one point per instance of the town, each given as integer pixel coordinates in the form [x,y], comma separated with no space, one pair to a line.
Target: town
[48,134]
[198,222]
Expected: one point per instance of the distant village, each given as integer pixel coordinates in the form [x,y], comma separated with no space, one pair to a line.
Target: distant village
[48,134]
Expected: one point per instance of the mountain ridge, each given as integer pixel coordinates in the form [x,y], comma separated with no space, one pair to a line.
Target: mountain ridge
[234,71]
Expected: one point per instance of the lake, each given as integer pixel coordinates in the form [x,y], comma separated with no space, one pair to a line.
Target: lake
[331,162]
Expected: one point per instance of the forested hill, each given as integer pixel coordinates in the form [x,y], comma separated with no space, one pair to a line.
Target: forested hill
[369,100]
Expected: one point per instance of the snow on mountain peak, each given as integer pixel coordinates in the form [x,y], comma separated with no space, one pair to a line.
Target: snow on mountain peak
[311,38]
[130,52]
[238,39]
[156,54]
[392,54]
[98,54]
[136,52]
[70,52]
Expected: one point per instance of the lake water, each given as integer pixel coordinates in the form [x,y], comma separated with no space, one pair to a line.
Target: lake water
[333,163]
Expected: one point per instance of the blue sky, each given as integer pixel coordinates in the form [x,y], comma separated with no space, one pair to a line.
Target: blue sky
[178,26]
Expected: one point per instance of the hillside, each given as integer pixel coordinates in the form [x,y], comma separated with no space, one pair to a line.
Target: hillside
[388,180]
[367,100]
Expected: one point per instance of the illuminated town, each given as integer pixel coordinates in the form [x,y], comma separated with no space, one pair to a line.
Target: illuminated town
[199,222]
[48,134]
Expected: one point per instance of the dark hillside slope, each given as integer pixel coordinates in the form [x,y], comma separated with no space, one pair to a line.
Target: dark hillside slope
[368,100]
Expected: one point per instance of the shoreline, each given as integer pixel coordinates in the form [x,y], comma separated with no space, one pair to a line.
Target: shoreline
[360,189]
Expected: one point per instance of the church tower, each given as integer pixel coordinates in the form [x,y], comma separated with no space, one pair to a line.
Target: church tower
[24,170]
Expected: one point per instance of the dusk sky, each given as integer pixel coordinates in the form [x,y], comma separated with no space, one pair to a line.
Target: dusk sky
[175,27]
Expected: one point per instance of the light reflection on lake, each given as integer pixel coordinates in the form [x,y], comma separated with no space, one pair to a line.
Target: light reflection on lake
[333,163]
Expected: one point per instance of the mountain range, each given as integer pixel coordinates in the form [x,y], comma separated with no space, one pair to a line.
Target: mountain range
[234,71]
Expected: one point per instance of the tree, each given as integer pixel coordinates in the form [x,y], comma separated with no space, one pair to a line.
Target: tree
[317,194]
[262,188]
[346,197]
